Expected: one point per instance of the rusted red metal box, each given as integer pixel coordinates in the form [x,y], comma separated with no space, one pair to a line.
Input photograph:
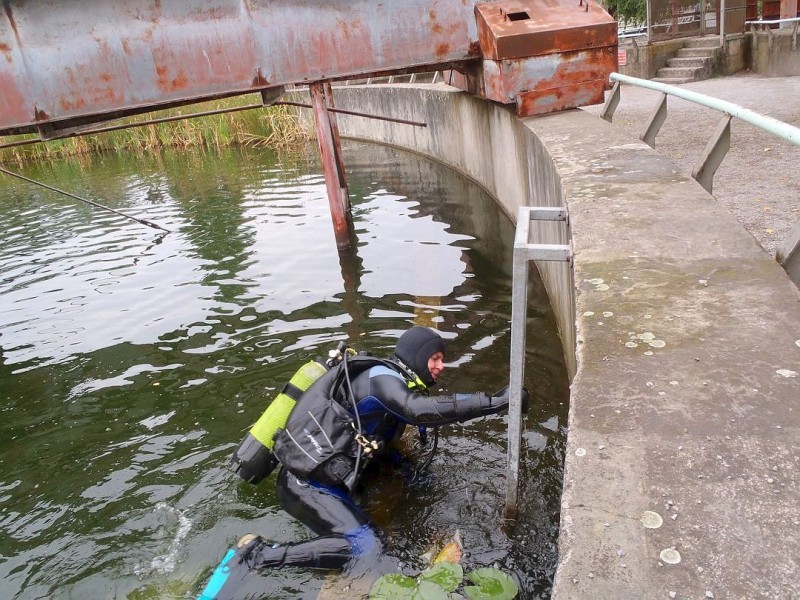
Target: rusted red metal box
[545,55]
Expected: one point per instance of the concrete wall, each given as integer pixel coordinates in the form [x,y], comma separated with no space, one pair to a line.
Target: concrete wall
[644,60]
[772,53]
[687,346]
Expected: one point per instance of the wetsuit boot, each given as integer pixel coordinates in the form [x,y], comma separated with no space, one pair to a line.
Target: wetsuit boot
[252,552]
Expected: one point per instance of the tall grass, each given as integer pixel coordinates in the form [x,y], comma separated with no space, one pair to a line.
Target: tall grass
[278,127]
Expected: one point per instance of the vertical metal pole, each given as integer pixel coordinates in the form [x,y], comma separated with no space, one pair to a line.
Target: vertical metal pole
[327,150]
[337,146]
[702,18]
[722,23]
[649,22]
[519,317]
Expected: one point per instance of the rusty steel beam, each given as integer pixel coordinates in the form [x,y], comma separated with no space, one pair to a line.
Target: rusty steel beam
[64,65]
[86,59]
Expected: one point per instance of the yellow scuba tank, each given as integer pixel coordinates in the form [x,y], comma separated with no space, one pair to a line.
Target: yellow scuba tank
[253,460]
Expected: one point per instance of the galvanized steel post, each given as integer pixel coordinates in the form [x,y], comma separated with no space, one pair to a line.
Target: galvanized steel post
[524,251]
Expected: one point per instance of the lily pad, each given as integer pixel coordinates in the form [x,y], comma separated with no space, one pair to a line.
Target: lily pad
[428,590]
[490,584]
[445,574]
[393,586]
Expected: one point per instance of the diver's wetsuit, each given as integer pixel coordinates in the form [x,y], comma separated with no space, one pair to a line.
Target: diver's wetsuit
[387,400]
[386,405]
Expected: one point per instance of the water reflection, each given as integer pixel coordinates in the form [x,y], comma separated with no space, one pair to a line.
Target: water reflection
[130,365]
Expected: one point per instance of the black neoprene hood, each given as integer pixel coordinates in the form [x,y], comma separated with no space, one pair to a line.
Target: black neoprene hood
[416,346]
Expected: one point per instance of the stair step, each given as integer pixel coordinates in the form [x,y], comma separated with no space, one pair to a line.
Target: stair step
[679,72]
[706,52]
[704,42]
[672,80]
[687,63]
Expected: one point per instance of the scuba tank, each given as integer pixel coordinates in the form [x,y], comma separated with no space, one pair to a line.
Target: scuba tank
[254,460]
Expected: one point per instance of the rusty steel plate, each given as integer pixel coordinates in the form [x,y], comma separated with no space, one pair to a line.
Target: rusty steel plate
[521,28]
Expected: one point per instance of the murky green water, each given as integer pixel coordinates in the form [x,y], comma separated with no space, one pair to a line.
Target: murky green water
[132,362]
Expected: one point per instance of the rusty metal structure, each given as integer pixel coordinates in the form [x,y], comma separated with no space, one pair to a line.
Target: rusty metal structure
[70,66]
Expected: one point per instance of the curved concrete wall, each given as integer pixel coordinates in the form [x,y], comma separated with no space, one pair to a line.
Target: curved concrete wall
[687,350]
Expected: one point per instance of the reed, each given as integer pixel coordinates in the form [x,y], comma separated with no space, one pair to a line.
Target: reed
[277,127]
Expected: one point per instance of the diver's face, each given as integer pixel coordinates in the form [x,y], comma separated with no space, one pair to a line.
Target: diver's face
[436,365]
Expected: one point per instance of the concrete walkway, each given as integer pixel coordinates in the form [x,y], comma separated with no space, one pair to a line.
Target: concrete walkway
[686,403]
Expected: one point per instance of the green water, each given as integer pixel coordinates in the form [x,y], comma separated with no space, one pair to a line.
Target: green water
[132,362]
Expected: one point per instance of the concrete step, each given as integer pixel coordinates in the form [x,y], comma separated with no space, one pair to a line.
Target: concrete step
[703,42]
[702,52]
[679,72]
[672,80]
[687,63]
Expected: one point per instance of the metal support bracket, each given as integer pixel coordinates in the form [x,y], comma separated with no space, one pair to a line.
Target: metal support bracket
[716,150]
[788,254]
[524,252]
[611,103]
[656,121]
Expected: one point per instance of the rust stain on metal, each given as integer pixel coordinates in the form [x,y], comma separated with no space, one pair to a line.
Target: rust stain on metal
[259,81]
[348,29]
[441,50]
[40,115]
[6,50]
[474,48]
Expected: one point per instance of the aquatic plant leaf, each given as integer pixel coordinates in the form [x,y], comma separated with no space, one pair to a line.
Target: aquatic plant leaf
[428,590]
[451,553]
[445,574]
[490,584]
[393,586]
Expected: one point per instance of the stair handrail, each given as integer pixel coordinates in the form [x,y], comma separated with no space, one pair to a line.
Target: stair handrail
[788,253]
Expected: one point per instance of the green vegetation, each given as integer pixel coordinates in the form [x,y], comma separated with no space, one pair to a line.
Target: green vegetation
[627,12]
[439,581]
[278,127]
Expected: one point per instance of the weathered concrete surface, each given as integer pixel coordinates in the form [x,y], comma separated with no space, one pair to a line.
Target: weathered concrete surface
[685,398]
[688,345]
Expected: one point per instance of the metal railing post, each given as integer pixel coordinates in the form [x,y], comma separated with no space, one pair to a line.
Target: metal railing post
[656,121]
[611,103]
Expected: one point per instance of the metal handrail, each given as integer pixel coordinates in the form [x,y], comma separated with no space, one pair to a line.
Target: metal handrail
[773,21]
[783,130]
[788,252]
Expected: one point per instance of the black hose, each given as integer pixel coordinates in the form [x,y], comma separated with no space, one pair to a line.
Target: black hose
[355,412]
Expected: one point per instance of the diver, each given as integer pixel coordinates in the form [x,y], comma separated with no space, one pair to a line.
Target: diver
[352,416]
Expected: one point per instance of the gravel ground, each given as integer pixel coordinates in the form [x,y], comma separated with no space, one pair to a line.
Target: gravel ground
[759,180]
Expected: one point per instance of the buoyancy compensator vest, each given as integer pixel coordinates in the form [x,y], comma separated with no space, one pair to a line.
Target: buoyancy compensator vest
[253,459]
[322,439]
